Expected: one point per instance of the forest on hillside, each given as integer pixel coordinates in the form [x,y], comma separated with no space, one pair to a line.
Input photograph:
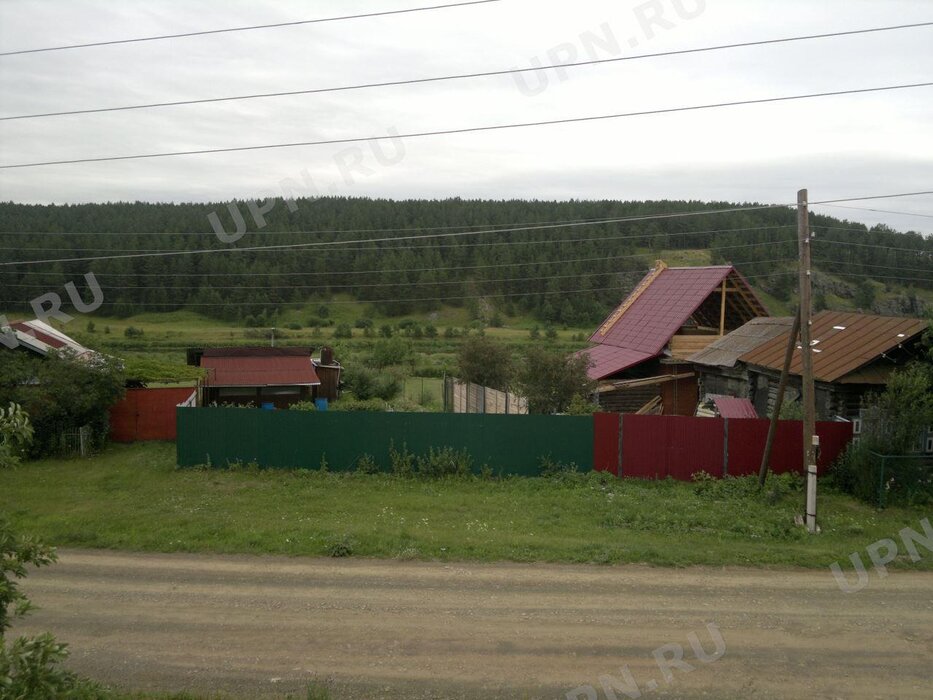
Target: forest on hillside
[563,262]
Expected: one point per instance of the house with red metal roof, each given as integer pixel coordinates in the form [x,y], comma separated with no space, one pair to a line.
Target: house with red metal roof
[257,377]
[640,352]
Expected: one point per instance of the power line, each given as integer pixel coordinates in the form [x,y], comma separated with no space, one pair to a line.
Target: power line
[819,240]
[395,301]
[443,235]
[461,76]
[475,280]
[402,283]
[889,277]
[323,244]
[883,211]
[382,270]
[389,249]
[870,197]
[247,28]
[468,130]
[595,222]
[461,227]
[874,266]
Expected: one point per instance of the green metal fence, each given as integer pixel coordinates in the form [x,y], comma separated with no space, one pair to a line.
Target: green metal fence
[901,478]
[506,444]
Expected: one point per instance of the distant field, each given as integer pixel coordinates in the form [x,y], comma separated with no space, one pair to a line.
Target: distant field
[133,497]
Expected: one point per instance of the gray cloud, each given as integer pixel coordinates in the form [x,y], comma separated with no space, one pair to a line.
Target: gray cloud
[846,146]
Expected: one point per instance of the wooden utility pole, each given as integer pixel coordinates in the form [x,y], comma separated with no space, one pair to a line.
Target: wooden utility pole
[779,400]
[810,440]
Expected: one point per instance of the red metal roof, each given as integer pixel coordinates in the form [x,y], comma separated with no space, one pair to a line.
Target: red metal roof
[731,407]
[49,340]
[662,308]
[260,371]
[607,360]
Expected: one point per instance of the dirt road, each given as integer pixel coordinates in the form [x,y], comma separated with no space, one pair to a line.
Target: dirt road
[252,627]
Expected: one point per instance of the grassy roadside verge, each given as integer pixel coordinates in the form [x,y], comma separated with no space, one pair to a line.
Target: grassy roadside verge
[133,497]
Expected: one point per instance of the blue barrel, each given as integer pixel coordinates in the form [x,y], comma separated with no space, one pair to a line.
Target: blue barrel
[320,404]
[268,407]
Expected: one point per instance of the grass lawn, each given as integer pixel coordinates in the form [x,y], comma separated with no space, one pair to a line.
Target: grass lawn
[133,497]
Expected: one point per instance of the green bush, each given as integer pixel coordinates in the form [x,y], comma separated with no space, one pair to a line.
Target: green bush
[906,480]
[365,384]
[892,424]
[340,547]
[444,462]
[741,487]
[62,393]
[366,465]
[551,469]
[348,402]
[133,332]
[343,331]
[402,463]
[31,667]
[390,351]
[16,435]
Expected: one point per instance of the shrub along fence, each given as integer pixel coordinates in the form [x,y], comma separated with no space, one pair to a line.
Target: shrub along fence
[505,444]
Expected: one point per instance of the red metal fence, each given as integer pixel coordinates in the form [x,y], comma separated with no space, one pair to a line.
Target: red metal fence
[146,414]
[657,447]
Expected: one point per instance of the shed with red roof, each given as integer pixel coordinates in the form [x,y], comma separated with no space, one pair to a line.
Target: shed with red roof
[257,376]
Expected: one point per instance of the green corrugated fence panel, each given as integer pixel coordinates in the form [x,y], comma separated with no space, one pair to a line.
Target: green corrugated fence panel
[507,444]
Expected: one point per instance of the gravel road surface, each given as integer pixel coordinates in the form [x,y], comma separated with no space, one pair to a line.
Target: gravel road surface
[267,626]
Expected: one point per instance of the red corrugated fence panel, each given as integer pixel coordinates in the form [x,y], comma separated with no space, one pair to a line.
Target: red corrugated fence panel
[697,445]
[123,418]
[835,436]
[747,443]
[655,447]
[147,414]
[606,442]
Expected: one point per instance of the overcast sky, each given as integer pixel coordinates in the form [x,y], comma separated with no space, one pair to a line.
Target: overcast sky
[837,147]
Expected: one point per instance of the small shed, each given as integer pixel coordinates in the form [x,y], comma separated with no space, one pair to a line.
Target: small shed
[256,376]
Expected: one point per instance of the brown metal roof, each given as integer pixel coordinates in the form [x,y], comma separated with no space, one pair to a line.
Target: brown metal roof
[726,351]
[842,343]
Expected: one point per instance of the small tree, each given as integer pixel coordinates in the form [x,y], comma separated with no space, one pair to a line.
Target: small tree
[893,423]
[905,408]
[60,392]
[30,667]
[551,380]
[485,362]
[391,351]
[15,434]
